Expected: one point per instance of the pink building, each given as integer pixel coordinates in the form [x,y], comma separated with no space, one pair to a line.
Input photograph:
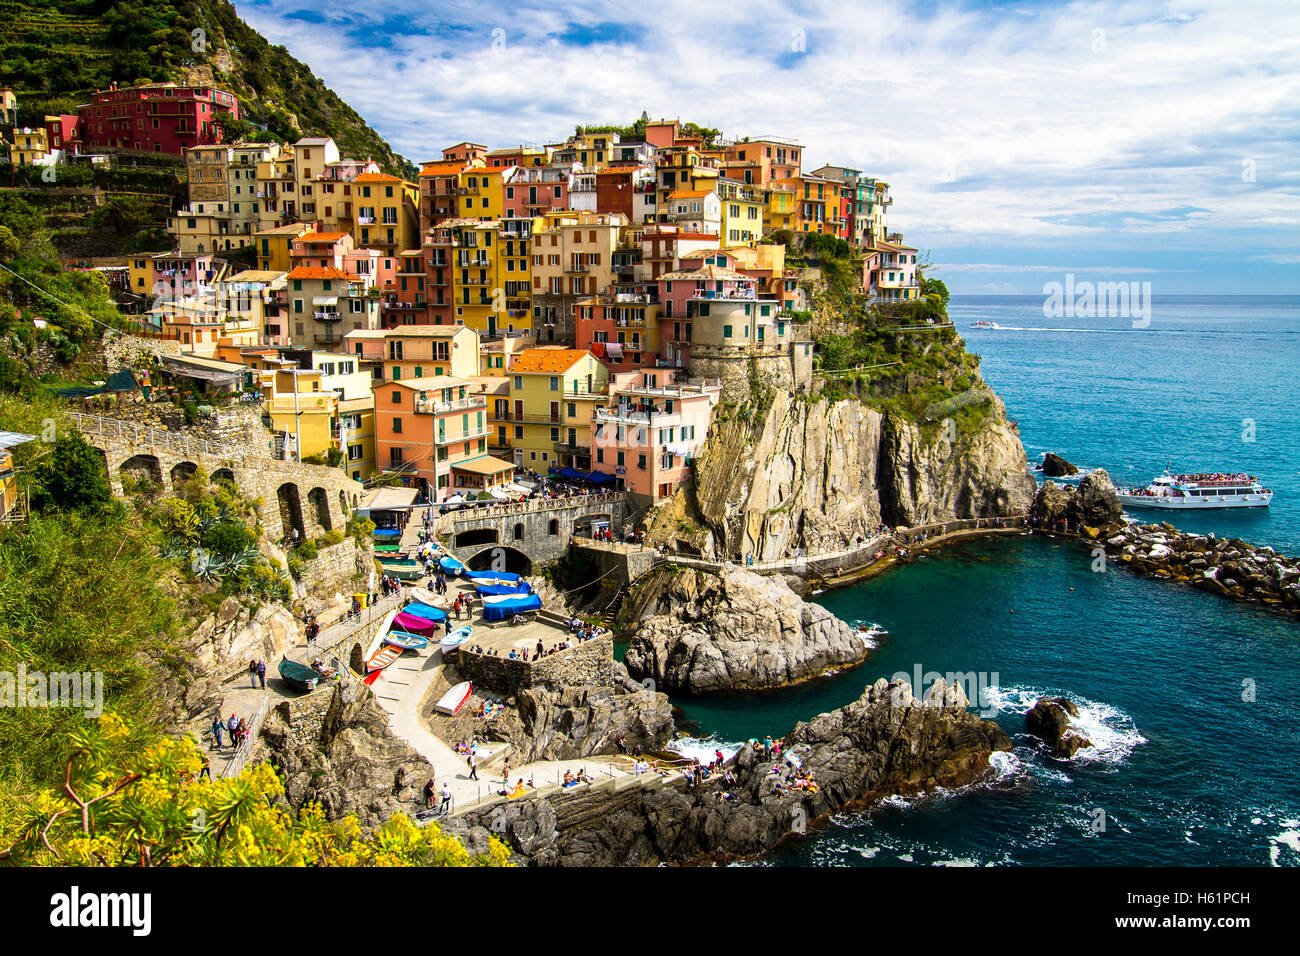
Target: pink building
[156,117]
[651,431]
[64,132]
[320,249]
[529,191]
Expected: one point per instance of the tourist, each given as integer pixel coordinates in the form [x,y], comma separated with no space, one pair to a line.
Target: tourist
[261,673]
[243,729]
[428,794]
[473,766]
[232,725]
[505,773]
[252,672]
[445,807]
[217,729]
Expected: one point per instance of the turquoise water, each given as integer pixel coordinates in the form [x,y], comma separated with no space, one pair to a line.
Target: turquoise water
[1185,771]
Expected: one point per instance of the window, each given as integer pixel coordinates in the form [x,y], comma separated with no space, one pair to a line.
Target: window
[397,426]
[397,398]
[555,383]
[640,462]
[726,331]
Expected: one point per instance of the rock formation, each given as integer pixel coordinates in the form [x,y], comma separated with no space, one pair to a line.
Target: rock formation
[1049,721]
[1054,466]
[1094,503]
[738,631]
[818,475]
[887,742]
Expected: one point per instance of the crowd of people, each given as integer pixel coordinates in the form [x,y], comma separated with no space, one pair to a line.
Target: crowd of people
[235,726]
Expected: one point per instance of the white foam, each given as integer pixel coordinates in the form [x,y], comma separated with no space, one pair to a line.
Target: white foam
[1289,838]
[702,748]
[872,635]
[1111,731]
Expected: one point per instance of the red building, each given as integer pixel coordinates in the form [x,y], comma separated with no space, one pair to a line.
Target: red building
[64,132]
[155,118]
[614,190]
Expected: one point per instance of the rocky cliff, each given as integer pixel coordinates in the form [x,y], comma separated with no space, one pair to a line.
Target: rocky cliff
[817,475]
[887,742]
[737,631]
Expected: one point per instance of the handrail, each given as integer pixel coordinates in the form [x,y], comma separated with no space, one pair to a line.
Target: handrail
[331,637]
[245,750]
[147,434]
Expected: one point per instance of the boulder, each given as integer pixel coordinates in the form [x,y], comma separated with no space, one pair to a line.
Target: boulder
[1049,721]
[1054,466]
[738,631]
[1096,502]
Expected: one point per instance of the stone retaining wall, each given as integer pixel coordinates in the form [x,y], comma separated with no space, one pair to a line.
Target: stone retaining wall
[588,665]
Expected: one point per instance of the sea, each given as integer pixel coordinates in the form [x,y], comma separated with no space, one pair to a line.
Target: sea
[1189,700]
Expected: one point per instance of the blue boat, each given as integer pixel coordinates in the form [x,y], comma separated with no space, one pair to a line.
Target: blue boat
[387,533]
[408,641]
[426,611]
[508,605]
[493,576]
[523,587]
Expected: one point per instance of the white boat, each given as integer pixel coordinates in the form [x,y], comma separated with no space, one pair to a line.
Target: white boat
[1198,492]
[983,324]
[454,699]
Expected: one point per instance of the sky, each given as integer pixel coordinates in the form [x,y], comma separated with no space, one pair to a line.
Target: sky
[1135,141]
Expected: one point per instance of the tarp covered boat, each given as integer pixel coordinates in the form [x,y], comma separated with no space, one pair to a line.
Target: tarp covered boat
[451,565]
[523,587]
[425,611]
[387,533]
[414,624]
[493,576]
[508,605]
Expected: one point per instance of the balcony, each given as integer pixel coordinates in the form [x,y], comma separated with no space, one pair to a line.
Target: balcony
[564,448]
[521,418]
[326,316]
[472,435]
[427,407]
[365,220]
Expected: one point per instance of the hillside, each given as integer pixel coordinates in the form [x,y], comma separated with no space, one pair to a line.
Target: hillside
[55,53]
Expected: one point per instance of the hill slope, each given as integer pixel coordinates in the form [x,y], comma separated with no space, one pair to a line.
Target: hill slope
[55,53]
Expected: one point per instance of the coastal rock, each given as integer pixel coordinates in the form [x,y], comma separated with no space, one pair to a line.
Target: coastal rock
[821,476]
[885,743]
[1049,720]
[738,631]
[1054,466]
[1094,504]
[580,721]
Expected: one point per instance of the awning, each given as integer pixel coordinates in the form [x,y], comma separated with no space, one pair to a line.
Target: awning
[600,478]
[325,300]
[383,499]
[486,465]
[571,473]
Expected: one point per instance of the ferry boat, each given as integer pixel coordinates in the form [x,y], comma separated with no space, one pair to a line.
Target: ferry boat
[1198,492]
[983,324]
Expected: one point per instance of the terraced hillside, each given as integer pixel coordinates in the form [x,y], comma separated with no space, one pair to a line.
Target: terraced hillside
[55,53]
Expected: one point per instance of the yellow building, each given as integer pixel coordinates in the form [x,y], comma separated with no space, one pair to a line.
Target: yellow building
[553,395]
[387,213]
[482,195]
[30,146]
[304,416]
[742,213]
[430,351]
[275,245]
[11,495]
[781,210]
[277,193]
[491,279]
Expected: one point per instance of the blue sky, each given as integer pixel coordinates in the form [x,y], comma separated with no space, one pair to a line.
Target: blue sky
[1153,141]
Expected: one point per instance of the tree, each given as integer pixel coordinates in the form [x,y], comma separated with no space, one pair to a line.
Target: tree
[935,287]
[72,477]
[151,809]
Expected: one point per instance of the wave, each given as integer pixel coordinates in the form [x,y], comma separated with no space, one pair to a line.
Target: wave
[703,748]
[1112,732]
[871,637]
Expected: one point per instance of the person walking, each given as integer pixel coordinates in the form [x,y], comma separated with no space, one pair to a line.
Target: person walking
[252,672]
[445,806]
[217,729]
[232,725]
[505,774]
[473,766]
[261,673]
[429,791]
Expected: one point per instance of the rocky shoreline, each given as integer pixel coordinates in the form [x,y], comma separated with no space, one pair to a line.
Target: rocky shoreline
[885,743]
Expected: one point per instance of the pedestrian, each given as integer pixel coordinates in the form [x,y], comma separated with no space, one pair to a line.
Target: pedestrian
[217,729]
[252,672]
[261,673]
[232,725]
[207,769]
[473,767]
[505,774]
[428,794]
[446,798]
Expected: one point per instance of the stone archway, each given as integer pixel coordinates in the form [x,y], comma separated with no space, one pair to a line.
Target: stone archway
[222,474]
[143,468]
[476,536]
[491,559]
[182,470]
[320,508]
[290,511]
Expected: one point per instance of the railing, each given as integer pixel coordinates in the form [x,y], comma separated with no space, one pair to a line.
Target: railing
[245,750]
[472,511]
[329,639]
[154,437]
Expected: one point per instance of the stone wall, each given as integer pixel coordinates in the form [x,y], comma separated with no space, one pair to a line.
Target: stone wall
[774,367]
[334,569]
[539,532]
[587,665]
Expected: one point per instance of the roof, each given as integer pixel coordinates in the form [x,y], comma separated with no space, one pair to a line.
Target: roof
[381,499]
[255,275]
[323,236]
[543,360]
[706,272]
[442,168]
[377,178]
[428,382]
[322,272]
[429,331]
[486,465]
[690,194]
[293,228]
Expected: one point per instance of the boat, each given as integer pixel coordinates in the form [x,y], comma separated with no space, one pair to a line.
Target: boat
[426,611]
[1198,492]
[425,596]
[394,549]
[299,675]
[450,565]
[406,640]
[386,533]
[404,569]
[454,699]
[508,605]
[983,324]
[415,624]
[493,577]
[381,658]
[456,638]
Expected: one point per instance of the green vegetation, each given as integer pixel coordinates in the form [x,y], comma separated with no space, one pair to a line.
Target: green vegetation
[119,806]
[636,130]
[57,52]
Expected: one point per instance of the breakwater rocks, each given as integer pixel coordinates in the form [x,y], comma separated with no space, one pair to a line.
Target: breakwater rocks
[1093,504]
[1225,566]
[737,631]
[1049,721]
[887,742]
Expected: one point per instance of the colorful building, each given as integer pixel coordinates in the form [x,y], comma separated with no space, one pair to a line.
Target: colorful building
[155,117]
[545,417]
[387,213]
[323,304]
